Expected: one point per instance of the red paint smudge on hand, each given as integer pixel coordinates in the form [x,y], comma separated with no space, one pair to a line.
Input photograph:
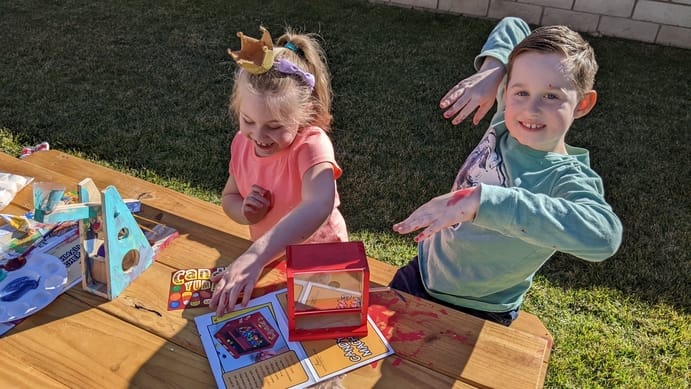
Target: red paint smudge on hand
[459,195]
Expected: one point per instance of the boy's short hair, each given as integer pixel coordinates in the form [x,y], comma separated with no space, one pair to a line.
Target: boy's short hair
[580,63]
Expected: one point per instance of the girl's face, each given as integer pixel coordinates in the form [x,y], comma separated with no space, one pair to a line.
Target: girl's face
[541,103]
[269,133]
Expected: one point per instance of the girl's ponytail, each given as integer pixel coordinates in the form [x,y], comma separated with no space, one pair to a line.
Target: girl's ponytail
[304,50]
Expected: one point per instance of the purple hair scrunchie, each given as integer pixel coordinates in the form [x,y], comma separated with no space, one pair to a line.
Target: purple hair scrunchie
[286,67]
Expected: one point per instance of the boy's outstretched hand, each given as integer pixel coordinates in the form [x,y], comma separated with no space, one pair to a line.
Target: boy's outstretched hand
[256,204]
[475,92]
[441,212]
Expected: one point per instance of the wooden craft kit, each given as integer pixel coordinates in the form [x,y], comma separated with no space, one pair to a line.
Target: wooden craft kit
[114,249]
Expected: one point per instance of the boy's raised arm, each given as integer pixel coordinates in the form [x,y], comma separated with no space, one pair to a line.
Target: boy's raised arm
[478,92]
[509,32]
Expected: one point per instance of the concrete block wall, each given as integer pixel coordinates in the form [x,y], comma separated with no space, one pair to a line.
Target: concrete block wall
[665,22]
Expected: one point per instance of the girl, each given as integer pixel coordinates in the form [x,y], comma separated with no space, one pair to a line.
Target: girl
[283,172]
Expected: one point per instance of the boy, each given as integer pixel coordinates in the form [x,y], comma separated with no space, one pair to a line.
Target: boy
[523,193]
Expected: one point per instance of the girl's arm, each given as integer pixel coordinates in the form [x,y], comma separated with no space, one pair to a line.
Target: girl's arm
[231,201]
[248,210]
[318,197]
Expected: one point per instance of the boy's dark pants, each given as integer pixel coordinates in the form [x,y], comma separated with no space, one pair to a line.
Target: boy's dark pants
[408,279]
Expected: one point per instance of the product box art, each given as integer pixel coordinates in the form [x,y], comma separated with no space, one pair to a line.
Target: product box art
[191,288]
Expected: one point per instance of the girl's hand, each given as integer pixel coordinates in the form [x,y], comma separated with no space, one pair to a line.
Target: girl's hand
[239,277]
[441,212]
[478,91]
[256,204]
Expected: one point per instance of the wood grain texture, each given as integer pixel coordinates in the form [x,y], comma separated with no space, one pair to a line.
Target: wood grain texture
[15,373]
[81,346]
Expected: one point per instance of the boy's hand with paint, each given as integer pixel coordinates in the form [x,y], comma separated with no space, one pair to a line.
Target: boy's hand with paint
[441,212]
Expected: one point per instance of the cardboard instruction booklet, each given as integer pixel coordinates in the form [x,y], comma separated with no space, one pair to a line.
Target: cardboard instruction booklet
[249,348]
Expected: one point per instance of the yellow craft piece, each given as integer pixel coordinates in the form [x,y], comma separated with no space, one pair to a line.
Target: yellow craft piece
[255,55]
[18,223]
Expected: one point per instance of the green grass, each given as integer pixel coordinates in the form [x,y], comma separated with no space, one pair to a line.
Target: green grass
[143,86]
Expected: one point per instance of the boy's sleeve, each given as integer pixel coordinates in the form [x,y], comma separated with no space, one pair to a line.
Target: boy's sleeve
[575,219]
[503,38]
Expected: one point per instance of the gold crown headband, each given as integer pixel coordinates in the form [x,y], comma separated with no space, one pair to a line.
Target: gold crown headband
[257,56]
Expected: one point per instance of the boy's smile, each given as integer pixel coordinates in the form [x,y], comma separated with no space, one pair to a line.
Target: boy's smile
[541,101]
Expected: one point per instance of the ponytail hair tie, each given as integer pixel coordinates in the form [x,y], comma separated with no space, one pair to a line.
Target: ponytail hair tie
[291,46]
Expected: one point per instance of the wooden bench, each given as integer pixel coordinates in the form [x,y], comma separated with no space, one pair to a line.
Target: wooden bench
[206,232]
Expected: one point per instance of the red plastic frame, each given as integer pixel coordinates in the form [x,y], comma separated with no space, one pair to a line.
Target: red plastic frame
[324,258]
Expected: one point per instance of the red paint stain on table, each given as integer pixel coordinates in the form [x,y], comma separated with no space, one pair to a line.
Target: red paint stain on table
[411,326]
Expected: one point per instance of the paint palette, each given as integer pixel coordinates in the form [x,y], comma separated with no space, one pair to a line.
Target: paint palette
[30,288]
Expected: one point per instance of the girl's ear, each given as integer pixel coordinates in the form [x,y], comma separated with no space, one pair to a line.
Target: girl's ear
[586,104]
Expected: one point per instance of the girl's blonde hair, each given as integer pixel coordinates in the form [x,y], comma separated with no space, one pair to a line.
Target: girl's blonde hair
[287,95]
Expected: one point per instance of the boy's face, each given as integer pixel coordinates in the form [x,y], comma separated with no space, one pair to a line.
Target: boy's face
[541,102]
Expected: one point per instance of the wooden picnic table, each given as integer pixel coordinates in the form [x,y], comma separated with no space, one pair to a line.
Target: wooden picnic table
[82,340]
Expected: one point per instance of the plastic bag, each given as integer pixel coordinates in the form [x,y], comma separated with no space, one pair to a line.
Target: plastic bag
[10,184]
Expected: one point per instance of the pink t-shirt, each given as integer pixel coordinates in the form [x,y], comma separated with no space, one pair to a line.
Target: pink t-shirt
[281,174]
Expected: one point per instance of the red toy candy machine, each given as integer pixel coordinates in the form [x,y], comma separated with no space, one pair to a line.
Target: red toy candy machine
[328,290]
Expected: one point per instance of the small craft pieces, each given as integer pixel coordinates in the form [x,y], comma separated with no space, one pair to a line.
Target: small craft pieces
[328,290]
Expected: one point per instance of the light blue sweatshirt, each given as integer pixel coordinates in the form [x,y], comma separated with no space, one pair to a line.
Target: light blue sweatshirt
[533,203]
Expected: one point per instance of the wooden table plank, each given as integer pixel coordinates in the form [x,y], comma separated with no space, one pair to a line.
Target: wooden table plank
[17,374]
[83,347]
[456,344]
[380,272]
[396,372]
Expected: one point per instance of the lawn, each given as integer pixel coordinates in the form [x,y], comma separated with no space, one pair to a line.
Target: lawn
[142,87]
